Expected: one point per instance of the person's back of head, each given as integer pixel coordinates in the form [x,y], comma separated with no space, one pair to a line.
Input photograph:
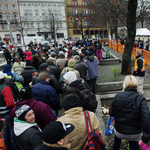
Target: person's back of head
[26,93]
[71,101]
[43,76]
[71,63]
[43,66]
[2,77]
[51,60]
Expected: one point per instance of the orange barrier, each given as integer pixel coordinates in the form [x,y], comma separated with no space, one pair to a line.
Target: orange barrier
[146,54]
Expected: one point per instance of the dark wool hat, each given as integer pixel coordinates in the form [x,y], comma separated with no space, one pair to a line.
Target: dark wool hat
[26,93]
[45,50]
[21,111]
[75,53]
[55,131]
[71,101]
[43,66]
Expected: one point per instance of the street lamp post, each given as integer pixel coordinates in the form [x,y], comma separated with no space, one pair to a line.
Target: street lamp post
[9,24]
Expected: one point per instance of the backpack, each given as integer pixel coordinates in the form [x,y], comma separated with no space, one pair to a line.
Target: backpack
[94,141]
[88,100]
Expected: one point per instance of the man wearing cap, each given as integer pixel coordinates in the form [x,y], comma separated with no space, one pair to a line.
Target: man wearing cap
[62,60]
[55,136]
[74,115]
[6,104]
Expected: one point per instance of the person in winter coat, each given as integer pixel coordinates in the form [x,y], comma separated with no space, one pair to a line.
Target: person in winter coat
[98,51]
[55,136]
[45,93]
[33,50]
[19,65]
[20,53]
[29,56]
[74,115]
[74,85]
[139,71]
[91,64]
[6,105]
[79,66]
[27,134]
[41,110]
[131,115]
[71,67]
[53,81]
[53,69]
[61,61]
[7,56]
[27,74]
[36,61]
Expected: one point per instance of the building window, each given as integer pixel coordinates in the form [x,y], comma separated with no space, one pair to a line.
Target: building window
[74,10]
[38,25]
[49,7]
[50,16]
[32,25]
[3,27]
[74,2]
[24,7]
[83,11]
[26,16]
[44,25]
[36,7]
[37,16]
[76,32]
[56,16]
[75,20]
[31,17]
[15,16]
[14,7]
[43,16]
[29,7]
[1,17]
[84,2]
[60,25]
[27,25]
[55,7]
[59,8]
[0,7]
[60,35]
[86,11]
[60,17]
[56,25]
[42,7]
[85,22]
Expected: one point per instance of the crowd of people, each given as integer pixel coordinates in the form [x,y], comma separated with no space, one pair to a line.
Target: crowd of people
[32,83]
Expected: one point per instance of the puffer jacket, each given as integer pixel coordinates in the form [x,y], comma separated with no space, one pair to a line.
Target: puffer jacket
[55,70]
[131,112]
[79,135]
[45,93]
[27,74]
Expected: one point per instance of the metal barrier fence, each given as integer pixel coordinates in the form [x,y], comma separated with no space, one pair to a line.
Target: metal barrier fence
[121,47]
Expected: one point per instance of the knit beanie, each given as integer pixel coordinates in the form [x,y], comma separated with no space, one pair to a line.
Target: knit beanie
[7,70]
[26,93]
[71,63]
[71,101]
[21,111]
[28,63]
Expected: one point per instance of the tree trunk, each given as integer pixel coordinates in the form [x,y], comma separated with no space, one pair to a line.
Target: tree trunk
[131,25]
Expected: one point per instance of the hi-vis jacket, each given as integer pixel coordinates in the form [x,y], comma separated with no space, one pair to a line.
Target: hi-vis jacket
[139,67]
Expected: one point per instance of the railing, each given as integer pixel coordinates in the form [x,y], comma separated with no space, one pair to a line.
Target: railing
[146,54]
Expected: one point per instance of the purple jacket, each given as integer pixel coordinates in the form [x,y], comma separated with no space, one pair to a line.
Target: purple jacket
[92,67]
[144,146]
[43,112]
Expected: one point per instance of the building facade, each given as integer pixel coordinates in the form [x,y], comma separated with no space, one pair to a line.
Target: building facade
[45,18]
[79,22]
[13,16]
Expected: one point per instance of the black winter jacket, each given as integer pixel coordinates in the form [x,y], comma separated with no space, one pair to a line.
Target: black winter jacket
[7,55]
[55,70]
[27,74]
[131,112]
[44,147]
